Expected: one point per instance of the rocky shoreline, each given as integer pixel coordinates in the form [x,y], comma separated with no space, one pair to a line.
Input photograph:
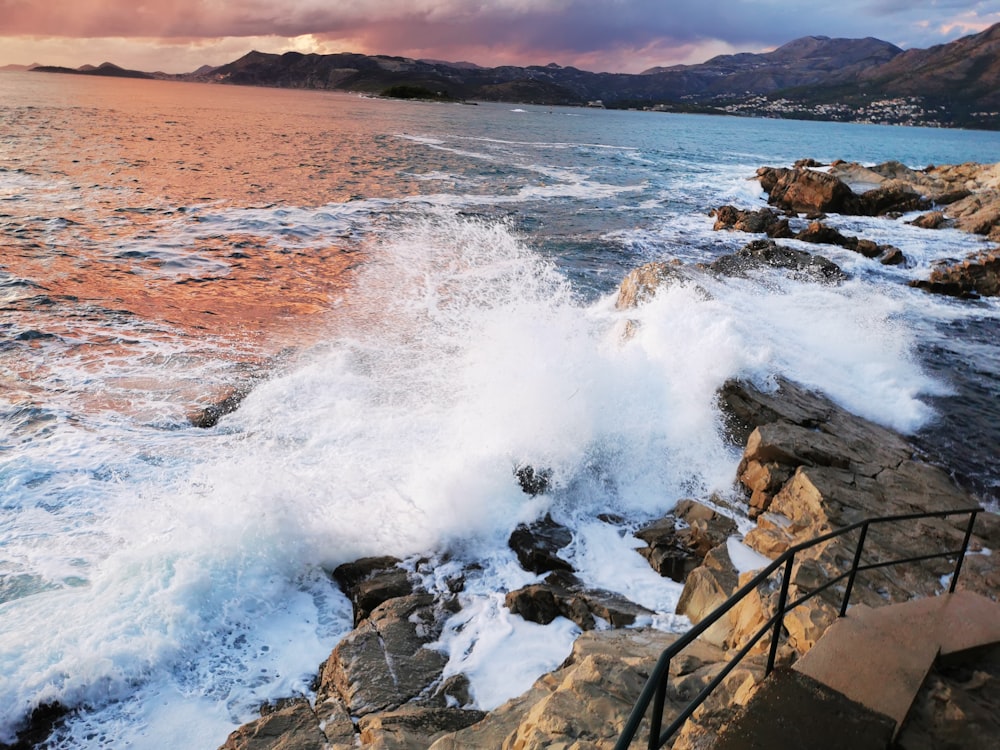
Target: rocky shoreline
[808,467]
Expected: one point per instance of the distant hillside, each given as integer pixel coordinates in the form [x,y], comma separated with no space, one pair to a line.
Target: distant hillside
[104,69]
[815,77]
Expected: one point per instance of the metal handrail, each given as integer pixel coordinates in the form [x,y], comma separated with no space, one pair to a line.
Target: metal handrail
[655,690]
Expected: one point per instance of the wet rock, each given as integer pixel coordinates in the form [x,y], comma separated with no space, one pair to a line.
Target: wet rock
[763,221]
[385,661]
[536,545]
[563,595]
[533,481]
[38,725]
[769,254]
[932,220]
[977,276]
[370,581]
[820,233]
[641,283]
[677,543]
[292,727]
[210,415]
[892,256]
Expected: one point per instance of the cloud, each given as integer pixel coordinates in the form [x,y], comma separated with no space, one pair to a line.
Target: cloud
[596,34]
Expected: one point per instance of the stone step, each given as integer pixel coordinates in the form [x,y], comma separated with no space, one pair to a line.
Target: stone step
[880,657]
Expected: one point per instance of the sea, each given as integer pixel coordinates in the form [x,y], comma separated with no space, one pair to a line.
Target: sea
[417,299]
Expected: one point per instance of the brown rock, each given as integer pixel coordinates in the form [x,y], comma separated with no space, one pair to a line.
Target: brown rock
[293,727]
[537,544]
[932,220]
[806,190]
[370,581]
[413,727]
[979,275]
[893,197]
[706,588]
[385,661]
[562,595]
[763,221]
[642,283]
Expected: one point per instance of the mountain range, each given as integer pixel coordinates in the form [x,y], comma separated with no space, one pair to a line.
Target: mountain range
[815,77]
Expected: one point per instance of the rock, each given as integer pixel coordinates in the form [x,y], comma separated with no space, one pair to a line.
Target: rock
[293,727]
[370,581]
[891,198]
[536,545]
[763,221]
[533,482]
[769,254]
[585,703]
[642,283]
[564,595]
[932,220]
[38,725]
[806,190]
[210,415]
[413,727]
[979,275]
[817,232]
[675,550]
[892,256]
[707,587]
[385,661]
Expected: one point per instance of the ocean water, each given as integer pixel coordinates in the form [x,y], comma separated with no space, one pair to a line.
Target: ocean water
[419,299]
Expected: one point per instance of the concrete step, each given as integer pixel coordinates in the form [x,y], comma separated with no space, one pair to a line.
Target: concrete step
[880,657]
[791,711]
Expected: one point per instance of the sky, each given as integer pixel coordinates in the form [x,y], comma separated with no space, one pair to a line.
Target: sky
[628,36]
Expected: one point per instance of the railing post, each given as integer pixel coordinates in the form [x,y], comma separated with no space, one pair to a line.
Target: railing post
[786,577]
[656,720]
[854,569]
[961,555]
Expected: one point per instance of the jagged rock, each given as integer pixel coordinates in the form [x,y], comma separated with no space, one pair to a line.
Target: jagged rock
[293,727]
[763,221]
[769,254]
[385,662]
[892,256]
[536,545]
[584,704]
[413,727]
[707,587]
[370,581]
[892,197]
[806,190]
[642,283]
[562,594]
[979,275]
[675,550]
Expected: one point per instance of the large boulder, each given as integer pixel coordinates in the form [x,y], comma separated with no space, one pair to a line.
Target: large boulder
[642,283]
[370,581]
[807,191]
[387,661]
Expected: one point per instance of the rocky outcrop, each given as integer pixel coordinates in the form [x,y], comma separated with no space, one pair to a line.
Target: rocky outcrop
[677,543]
[969,279]
[564,595]
[537,545]
[769,254]
[642,283]
[819,233]
[807,191]
[762,221]
[370,581]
